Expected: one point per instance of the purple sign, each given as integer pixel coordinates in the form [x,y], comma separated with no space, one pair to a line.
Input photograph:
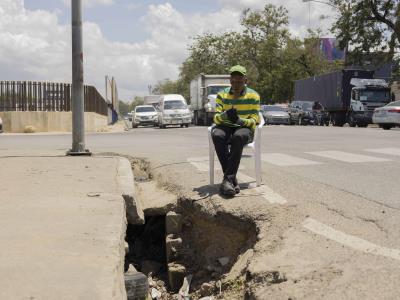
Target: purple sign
[330,48]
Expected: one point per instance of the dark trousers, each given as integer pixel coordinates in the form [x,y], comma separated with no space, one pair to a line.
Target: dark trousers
[229,143]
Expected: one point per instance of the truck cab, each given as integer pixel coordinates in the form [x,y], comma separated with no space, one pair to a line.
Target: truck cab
[203,93]
[211,94]
[366,95]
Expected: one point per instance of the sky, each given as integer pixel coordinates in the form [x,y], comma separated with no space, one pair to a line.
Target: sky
[138,42]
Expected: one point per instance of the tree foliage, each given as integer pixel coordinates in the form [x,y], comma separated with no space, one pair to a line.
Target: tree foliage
[368,27]
[272,57]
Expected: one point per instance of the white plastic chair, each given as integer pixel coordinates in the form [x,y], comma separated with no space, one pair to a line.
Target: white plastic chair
[255,146]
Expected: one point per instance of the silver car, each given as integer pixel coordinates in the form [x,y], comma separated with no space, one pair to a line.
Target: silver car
[387,116]
[275,114]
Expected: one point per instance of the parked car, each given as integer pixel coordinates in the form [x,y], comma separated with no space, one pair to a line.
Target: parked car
[144,115]
[300,112]
[387,116]
[1,125]
[275,114]
[308,113]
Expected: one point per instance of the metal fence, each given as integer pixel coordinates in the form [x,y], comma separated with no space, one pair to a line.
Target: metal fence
[46,96]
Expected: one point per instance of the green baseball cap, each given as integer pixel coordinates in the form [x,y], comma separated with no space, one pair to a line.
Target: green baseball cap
[238,69]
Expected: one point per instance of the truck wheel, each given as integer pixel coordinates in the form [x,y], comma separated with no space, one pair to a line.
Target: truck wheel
[352,121]
[338,120]
[386,127]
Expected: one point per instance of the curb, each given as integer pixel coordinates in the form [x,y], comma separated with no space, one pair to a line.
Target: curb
[125,180]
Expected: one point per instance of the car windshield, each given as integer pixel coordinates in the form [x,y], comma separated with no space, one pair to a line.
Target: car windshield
[175,104]
[395,103]
[307,105]
[273,108]
[213,90]
[375,95]
[145,109]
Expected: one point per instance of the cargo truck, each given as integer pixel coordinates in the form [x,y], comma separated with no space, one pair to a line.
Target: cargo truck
[350,96]
[203,92]
[151,100]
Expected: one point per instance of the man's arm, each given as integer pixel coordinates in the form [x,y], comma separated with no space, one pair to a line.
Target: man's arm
[253,119]
[220,117]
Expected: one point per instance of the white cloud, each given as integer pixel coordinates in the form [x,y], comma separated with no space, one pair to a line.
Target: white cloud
[35,46]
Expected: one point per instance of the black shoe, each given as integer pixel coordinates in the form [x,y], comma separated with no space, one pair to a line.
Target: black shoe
[227,188]
[236,186]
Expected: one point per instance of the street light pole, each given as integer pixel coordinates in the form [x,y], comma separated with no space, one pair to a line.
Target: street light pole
[323,2]
[78,114]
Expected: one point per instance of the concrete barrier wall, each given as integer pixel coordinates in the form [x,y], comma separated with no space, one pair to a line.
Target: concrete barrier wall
[42,121]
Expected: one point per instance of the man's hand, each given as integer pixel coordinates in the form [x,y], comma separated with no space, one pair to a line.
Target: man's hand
[240,122]
[232,115]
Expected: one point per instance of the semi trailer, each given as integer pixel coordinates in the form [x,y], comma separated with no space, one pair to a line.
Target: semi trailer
[350,96]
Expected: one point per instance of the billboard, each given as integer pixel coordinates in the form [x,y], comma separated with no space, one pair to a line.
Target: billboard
[330,49]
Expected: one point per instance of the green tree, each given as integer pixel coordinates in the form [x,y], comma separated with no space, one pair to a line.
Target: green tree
[124,107]
[272,57]
[368,26]
[137,100]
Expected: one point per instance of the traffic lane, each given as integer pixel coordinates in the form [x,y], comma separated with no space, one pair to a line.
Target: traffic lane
[170,145]
[308,138]
[375,182]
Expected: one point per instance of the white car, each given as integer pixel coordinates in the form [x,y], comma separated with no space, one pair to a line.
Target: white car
[387,116]
[144,115]
[275,114]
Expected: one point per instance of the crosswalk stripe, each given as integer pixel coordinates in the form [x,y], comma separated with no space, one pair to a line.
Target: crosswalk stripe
[350,240]
[347,157]
[285,160]
[264,190]
[201,163]
[389,151]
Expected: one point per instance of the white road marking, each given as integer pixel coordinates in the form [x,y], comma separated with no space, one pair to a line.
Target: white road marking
[348,157]
[389,151]
[201,163]
[266,191]
[285,160]
[349,240]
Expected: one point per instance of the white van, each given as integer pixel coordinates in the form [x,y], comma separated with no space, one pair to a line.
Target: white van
[173,110]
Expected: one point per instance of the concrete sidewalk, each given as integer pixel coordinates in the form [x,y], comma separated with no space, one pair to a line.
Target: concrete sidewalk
[62,227]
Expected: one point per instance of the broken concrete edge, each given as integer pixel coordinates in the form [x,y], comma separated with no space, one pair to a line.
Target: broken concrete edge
[125,179]
[119,282]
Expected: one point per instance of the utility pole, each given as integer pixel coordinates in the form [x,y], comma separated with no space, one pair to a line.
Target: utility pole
[78,114]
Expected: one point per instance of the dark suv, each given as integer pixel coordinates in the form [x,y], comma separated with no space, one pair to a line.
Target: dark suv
[307,112]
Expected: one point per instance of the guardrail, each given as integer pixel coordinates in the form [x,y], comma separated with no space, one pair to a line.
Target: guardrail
[46,96]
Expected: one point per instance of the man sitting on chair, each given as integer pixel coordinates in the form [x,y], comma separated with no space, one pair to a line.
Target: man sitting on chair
[236,117]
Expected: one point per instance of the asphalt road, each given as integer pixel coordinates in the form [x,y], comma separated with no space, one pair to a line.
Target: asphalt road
[297,160]
[327,209]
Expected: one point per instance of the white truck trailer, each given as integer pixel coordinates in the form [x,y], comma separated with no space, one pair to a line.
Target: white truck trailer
[151,100]
[203,92]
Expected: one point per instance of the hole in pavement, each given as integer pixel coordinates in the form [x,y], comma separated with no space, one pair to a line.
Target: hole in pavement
[147,245]
[203,245]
